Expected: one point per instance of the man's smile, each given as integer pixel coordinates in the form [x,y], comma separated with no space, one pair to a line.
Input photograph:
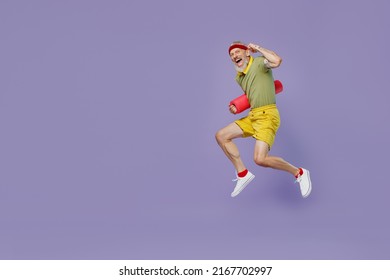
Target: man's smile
[239,62]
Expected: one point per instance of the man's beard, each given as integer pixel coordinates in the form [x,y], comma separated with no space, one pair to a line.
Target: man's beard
[242,68]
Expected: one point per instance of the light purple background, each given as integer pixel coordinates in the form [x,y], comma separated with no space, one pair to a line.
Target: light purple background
[108,111]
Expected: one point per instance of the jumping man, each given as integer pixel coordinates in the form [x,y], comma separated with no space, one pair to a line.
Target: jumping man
[254,75]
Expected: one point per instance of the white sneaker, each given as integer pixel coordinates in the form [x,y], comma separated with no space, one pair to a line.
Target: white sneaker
[304,183]
[242,183]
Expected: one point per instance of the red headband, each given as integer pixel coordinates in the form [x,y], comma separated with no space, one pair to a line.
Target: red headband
[240,46]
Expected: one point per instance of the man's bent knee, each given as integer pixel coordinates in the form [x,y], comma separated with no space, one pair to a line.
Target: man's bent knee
[219,136]
[261,153]
[262,161]
[228,133]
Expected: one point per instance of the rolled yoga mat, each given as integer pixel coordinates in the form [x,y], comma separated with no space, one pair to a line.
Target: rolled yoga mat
[242,103]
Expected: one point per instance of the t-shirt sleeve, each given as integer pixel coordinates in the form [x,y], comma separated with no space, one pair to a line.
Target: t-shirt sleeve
[261,65]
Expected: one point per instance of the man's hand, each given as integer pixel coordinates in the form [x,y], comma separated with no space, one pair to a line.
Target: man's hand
[254,48]
[232,109]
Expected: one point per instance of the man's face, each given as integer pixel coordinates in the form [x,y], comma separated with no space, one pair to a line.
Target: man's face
[240,58]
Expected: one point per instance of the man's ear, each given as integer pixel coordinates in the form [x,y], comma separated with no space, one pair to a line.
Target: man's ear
[248,52]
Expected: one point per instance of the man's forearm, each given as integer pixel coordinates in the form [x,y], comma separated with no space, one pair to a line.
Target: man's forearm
[273,59]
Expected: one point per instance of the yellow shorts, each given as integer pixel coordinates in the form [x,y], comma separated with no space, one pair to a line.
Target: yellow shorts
[262,123]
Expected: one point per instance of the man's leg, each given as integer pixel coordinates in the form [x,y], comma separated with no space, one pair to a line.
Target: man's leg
[224,138]
[262,158]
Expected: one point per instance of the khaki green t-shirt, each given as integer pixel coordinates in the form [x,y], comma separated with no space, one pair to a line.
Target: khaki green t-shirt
[258,83]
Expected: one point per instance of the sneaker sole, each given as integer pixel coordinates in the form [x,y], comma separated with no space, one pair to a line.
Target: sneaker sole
[244,186]
[309,191]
